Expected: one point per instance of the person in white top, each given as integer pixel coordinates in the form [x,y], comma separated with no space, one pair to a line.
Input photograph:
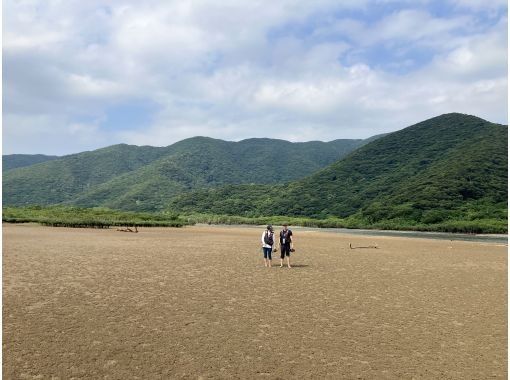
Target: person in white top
[268,244]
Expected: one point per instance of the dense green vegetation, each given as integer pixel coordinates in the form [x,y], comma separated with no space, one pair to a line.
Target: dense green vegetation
[65,216]
[14,161]
[70,216]
[446,173]
[62,179]
[144,178]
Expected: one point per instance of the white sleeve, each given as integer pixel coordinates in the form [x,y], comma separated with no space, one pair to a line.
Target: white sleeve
[263,233]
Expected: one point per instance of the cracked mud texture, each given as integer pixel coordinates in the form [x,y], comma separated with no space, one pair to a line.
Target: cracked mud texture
[197,302]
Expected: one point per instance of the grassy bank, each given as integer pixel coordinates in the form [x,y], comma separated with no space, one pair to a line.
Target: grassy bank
[65,216]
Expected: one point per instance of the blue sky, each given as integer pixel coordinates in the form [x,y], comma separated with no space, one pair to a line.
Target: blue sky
[83,75]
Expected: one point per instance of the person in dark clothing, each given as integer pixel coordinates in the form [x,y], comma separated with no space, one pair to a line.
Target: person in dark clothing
[286,245]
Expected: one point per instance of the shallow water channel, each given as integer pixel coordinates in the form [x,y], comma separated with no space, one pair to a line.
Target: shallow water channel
[487,238]
[495,238]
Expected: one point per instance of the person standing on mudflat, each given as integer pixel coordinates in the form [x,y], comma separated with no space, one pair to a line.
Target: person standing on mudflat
[286,244]
[268,243]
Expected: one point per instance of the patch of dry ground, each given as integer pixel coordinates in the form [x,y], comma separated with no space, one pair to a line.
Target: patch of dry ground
[197,303]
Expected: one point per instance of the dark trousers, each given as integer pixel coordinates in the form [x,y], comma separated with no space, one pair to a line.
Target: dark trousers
[285,250]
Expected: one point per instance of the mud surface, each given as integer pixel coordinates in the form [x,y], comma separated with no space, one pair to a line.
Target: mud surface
[197,302]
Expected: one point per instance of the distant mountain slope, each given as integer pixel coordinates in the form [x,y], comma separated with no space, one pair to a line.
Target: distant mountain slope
[449,165]
[14,161]
[204,163]
[144,178]
[62,179]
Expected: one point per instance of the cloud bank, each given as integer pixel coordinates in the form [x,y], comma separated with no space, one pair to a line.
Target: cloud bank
[82,75]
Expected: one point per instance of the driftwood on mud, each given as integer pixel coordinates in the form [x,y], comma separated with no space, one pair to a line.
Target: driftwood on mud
[368,246]
[127,229]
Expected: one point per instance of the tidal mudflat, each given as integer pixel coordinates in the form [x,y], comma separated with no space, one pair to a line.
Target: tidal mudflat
[197,302]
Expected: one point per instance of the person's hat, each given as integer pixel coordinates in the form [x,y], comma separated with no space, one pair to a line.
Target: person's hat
[269,227]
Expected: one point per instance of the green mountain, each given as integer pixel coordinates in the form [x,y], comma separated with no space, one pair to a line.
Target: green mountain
[145,178]
[62,179]
[449,167]
[14,161]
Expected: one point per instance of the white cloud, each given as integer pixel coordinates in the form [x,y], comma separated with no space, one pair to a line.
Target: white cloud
[85,85]
[413,25]
[480,56]
[57,132]
[236,70]
[14,42]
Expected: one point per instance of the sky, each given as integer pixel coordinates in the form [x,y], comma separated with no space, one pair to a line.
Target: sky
[81,75]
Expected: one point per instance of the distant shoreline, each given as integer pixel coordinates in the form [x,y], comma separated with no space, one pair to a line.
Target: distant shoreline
[452,236]
[488,238]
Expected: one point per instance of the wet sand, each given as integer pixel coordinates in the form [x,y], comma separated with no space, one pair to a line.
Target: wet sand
[197,302]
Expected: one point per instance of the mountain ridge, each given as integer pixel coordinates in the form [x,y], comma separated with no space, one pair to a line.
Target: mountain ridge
[14,161]
[450,166]
[450,169]
[105,176]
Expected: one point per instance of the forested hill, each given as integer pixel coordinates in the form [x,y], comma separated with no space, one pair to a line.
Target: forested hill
[13,161]
[145,178]
[451,167]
